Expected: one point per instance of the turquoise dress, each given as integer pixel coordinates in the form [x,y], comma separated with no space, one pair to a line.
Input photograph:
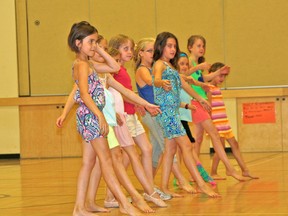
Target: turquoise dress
[169,103]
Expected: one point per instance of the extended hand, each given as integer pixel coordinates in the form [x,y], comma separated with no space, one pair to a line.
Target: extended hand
[205,105]
[60,121]
[153,109]
[225,70]
[166,85]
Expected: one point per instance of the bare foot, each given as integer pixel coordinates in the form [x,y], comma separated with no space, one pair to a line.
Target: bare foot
[247,174]
[129,209]
[174,195]
[82,212]
[92,207]
[191,180]
[142,205]
[235,175]
[207,190]
[217,177]
[188,188]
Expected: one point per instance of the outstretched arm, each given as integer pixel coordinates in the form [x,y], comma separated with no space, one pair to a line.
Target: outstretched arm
[193,94]
[192,81]
[187,106]
[131,96]
[203,66]
[225,70]
[68,106]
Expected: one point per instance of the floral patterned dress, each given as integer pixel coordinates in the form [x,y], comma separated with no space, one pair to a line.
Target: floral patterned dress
[87,122]
[169,103]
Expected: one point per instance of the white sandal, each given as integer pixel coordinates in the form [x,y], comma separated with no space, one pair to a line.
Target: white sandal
[111,204]
[156,201]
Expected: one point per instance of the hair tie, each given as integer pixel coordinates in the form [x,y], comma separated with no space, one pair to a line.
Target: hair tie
[182,54]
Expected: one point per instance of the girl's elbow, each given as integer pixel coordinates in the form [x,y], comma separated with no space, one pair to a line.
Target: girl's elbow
[117,68]
[84,95]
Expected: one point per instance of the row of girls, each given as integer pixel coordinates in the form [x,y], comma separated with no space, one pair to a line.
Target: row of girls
[107,121]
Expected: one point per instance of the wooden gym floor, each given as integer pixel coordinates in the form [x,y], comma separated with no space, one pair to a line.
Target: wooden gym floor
[42,187]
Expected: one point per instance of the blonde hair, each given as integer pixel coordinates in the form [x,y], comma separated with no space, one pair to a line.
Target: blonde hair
[116,41]
[140,46]
[113,52]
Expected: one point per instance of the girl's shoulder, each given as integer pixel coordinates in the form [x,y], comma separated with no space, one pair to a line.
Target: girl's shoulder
[160,63]
[143,69]
[82,67]
[77,64]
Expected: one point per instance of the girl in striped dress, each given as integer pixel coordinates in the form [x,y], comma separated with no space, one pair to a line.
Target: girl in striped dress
[221,122]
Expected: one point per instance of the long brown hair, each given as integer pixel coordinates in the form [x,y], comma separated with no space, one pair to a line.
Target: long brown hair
[159,45]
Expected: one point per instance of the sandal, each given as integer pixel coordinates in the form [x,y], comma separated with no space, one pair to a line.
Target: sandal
[156,201]
[111,204]
[163,195]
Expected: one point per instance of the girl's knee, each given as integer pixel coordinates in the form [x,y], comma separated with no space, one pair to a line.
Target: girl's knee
[214,135]
[147,150]
[89,164]
[171,150]
[117,157]
[199,140]
[186,147]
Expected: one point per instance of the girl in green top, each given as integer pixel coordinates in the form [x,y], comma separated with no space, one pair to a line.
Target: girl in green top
[201,118]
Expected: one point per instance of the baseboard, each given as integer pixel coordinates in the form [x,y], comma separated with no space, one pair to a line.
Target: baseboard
[227,150]
[9,156]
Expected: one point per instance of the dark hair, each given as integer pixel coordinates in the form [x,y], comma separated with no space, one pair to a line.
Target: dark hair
[191,41]
[214,67]
[159,45]
[78,32]
[181,55]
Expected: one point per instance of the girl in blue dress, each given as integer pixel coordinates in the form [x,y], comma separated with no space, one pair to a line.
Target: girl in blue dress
[167,86]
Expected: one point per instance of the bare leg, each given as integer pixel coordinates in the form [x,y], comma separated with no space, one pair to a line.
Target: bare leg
[100,145]
[155,169]
[88,162]
[146,155]
[140,173]
[238,156]
[92,189]
[167,162]
[212,131]
[183,183]
[215,163]
[125,159]
[122,175]
[199,132]
[190,164]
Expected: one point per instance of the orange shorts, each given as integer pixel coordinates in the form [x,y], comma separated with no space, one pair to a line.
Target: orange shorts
[227,135]
[200,114]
